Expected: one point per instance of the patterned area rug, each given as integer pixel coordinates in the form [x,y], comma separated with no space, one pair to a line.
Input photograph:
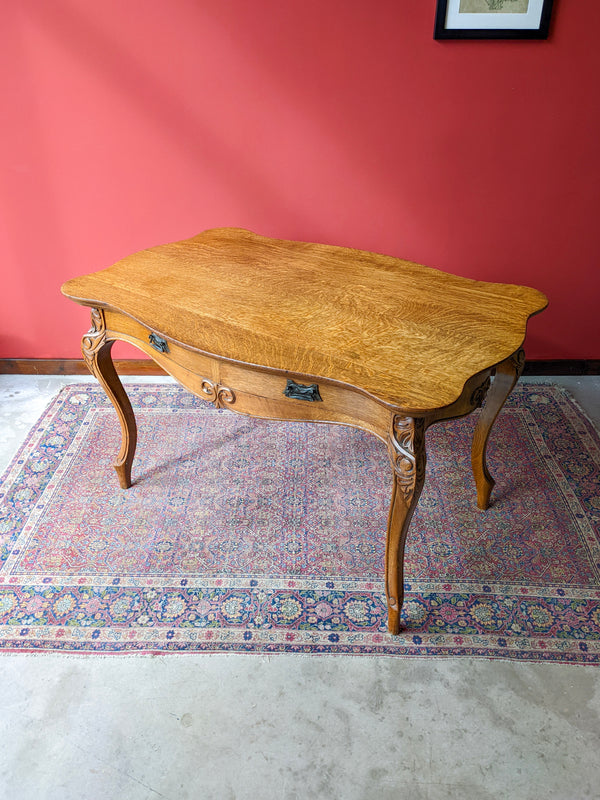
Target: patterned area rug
[247,535]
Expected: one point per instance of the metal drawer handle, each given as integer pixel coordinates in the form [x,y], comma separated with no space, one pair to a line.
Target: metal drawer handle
[298,391]
[158,344]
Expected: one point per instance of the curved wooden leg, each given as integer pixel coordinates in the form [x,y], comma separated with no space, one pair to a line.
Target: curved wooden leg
[96,351]
[506,376]
[407,452]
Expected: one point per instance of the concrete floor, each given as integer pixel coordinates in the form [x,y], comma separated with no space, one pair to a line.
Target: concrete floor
[290,727]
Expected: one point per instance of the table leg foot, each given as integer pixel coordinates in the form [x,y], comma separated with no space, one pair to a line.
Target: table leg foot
[407,452]
[506,375]
[394,625]
[96,349]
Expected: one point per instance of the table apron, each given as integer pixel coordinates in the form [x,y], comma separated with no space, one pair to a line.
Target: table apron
[251,390]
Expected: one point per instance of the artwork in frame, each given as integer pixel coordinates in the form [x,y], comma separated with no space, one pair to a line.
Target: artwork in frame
[492,19]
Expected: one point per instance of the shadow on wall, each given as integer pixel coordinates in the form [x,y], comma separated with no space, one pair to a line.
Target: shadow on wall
[184,119]
[295,112]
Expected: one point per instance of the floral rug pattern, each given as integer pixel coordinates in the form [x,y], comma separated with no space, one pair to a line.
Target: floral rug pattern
[250,535]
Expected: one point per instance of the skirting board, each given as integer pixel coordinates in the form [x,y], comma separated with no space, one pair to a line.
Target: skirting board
[142,366]
[74,366]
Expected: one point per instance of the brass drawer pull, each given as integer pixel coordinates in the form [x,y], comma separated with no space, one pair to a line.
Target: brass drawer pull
[158,344]
[298,391]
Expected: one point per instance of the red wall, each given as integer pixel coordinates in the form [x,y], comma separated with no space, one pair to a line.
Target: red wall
[128,124]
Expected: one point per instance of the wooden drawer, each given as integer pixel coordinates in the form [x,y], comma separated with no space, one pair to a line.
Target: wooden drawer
[249,389]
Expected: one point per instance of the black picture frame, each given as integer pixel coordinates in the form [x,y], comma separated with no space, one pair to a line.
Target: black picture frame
[442,32]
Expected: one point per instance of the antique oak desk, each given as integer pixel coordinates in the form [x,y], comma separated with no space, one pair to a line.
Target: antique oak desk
[298,331]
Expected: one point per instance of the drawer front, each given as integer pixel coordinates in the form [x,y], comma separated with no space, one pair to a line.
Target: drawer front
[292,396]
[253,390]
[162,349]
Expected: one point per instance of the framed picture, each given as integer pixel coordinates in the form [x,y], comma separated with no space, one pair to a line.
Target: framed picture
[492,19]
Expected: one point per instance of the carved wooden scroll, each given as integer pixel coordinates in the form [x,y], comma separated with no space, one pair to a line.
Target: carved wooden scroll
[219,395]
[407,452]
[518,362]
[94,339]
[479,394]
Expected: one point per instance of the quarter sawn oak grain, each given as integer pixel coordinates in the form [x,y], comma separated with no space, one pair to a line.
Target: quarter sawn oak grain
[392,346]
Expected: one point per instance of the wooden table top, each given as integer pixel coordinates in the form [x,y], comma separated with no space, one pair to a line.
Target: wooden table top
[409,335]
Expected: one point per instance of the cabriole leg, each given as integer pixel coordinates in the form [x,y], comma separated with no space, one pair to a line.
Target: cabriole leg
[506,375]
[407,452]
[96,349]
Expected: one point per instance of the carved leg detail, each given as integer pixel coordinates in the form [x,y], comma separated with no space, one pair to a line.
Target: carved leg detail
[96,351]
[506,376]
[407,452]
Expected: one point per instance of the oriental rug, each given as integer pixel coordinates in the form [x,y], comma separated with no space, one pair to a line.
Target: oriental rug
[248,535]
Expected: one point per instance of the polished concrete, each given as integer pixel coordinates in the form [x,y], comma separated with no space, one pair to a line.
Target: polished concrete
[242,727]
